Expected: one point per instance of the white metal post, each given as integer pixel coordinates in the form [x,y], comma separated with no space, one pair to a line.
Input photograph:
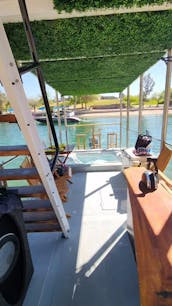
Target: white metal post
[140,105]
[11,81]
[120,98]
[167,98]
[65,121]
[128,108]
[58,117]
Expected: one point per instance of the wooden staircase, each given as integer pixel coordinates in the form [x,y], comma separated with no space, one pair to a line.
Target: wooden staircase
[38,213]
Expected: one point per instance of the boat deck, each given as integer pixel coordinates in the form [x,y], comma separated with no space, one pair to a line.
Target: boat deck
[95,266]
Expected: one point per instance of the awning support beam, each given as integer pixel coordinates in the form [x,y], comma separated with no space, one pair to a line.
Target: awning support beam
[121,99]
[128,116]
[28,68]
[140,105]
[166,98]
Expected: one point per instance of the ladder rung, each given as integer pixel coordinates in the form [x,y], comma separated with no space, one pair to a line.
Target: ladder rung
[36,204]
[18,174]
[14,150]
[11,118]
[40,216]
[25,191]
[22,150]
[43,227]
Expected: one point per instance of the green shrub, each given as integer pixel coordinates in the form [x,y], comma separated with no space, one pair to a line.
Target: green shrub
[151,102]
[82,5]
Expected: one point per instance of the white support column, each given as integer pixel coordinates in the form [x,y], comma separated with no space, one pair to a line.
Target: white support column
[59,119]
[11,81]
[65,121]
[166,99]
[128,108]
[140,105]
[121,98]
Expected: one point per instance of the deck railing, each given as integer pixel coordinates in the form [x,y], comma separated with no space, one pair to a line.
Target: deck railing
[94,136]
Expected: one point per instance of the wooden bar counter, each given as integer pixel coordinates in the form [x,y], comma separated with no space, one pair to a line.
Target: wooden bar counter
[152,225]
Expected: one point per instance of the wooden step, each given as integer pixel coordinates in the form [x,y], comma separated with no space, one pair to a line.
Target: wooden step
[29,191]
[43,227]
[23,150]
[14,150]
[36,204]
[11,118]
[39,216]
[37,219]
[18,174]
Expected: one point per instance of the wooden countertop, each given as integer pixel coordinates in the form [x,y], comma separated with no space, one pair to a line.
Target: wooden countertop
[152,223]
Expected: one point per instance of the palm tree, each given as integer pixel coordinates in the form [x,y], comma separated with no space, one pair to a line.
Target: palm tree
[148,85]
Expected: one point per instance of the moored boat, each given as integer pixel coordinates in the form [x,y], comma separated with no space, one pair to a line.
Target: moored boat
[71,119]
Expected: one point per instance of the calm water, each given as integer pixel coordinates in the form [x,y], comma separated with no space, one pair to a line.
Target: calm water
[151,123]
[10,134]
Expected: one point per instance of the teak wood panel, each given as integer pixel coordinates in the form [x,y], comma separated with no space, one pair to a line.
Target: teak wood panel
[152,223]
[11,118]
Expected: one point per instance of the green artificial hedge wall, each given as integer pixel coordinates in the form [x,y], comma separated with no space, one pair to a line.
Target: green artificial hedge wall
[82,5]
[86,76]
[95,38]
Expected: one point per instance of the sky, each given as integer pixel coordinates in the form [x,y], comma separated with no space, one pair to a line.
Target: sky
[157,72]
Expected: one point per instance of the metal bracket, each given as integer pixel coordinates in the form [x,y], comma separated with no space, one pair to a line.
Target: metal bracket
[25,69]
[166,59]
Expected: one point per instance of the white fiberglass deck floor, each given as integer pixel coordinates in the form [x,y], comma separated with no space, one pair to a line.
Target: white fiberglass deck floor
[95,266]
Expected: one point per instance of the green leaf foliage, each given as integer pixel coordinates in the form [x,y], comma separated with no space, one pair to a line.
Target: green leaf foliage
[90,52]
[94,36]
[88,76]
[82,5]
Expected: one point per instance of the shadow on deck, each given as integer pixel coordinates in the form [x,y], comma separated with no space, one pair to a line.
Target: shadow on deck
[95,266]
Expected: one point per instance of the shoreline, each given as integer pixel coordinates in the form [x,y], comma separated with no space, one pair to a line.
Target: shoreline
[113,113]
